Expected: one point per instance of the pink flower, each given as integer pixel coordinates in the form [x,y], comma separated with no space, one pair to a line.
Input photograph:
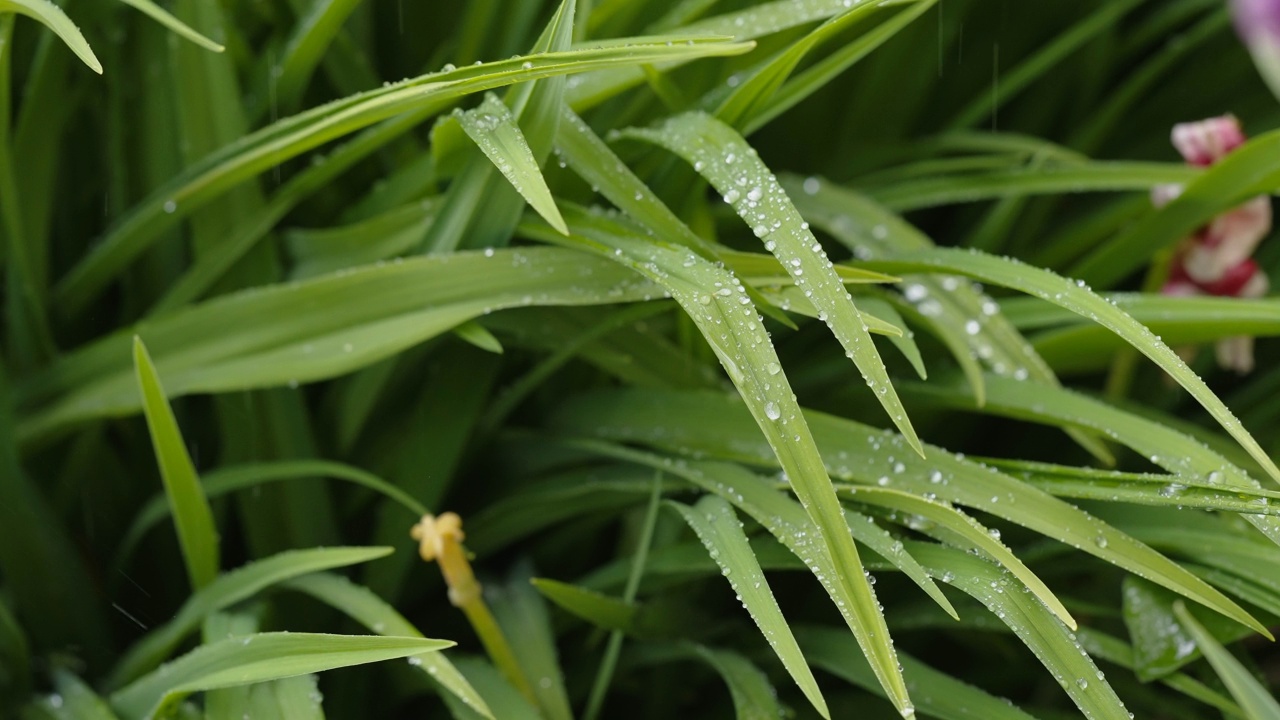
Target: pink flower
[1258,22]
[1216,259]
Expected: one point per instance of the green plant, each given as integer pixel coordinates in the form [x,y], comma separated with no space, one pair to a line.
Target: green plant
[551,282]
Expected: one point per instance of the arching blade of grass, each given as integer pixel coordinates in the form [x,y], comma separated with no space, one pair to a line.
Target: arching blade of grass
[1084,347]
[494,130]
[1254,699]
[960,314]
[603,611]
[754,697]
[363,606]
[969,533]
[1049,178]
[523,615]
[52,17]
[258,658]
[745,24]
[1142,489]
[717,152]
[162,16]
[818,75]
[718,304]
[1163,446]
[939,695]
[876,307]
[290,137]
[479,208]
[1236,316]
[317,251]
[337,324]
[714,425]
[249,230]
[1249,590]
[714,521]
[505,700]
[1052,643]
[1104,647]
[1078,298]
[229,479]
[783,518]
[750,95]
[595,162]
[1248,171]
[228,589]
[197,534]
[75,700]
[555,500]
[1160,647]
[306,46]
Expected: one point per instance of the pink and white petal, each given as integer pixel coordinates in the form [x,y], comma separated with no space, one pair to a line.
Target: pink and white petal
[1208,141]
[1229,240]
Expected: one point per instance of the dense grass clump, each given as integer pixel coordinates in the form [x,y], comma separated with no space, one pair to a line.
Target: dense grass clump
[542,359]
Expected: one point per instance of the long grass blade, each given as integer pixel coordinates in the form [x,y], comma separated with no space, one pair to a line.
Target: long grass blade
[197,534]
[258,658]
[717,152]
[720,530]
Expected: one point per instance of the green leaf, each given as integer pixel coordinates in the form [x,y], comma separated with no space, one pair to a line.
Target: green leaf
[595,162]
[751,94]
[363,606]
[228,479]
[226,168]
[716,426]
[336,324]
[1248,171]
[1046,178]
[1078,298]
[228,589]
[1160,646]
[720,530]
[1054,645]
[966,533]
[753,695]
[493,128]
[197,535]
[783,517]
[938,694]
[476,334]
[160,15]
[1162,445]
[717,152]
[1254,699]
[258,658]
[718,304]
[596,608]
[52,17]
[1141,489]
[315,30]
[523,617]
[824,71]
[959,314]
[76,700]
